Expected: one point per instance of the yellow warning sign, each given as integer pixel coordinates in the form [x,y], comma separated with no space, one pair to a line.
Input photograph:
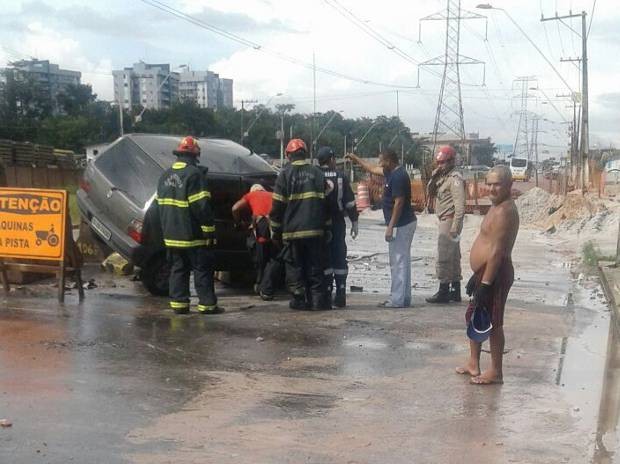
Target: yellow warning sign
[32,223]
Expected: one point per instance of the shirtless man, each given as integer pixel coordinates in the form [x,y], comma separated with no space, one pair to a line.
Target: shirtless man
[491,261]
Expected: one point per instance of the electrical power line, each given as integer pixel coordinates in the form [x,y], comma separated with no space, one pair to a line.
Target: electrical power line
[258,47]
[591,18]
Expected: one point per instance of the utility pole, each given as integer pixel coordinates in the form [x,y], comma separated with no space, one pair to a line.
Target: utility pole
[243,102]
[534,145]
[449,113]
[313,106]
[120,117]
[584,133]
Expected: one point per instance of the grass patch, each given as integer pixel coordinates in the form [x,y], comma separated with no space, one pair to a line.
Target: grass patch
[592,254]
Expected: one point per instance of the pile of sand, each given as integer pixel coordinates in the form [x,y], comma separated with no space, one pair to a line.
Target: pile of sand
[573,213]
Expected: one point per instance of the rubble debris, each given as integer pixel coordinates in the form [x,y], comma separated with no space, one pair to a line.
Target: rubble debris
[118,265]
[356,288]
[5,423]
[89,285]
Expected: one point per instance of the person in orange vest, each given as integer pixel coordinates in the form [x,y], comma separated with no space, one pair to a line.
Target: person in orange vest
[258,202]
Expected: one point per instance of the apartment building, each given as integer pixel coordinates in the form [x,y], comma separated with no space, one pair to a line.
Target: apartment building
[51,78]
[152,86]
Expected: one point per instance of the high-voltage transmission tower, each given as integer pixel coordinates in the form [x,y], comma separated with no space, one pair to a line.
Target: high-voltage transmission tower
[449,114]
[522,146]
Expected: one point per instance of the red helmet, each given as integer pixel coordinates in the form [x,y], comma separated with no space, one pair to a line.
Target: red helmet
[445,154]
[188,145]
[296,145]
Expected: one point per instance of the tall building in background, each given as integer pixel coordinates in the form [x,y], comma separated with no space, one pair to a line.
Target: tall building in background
[152,86]
[226,92]
[206,89]
[51,78]
[155,86]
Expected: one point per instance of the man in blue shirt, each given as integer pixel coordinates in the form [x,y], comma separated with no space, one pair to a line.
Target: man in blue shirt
[401,223]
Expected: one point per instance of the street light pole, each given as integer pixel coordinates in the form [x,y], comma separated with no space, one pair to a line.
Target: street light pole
[487,6]
[325,127]
[247,131]
[139,117]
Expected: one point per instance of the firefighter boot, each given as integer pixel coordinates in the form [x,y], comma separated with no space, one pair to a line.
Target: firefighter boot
[455,291]
[298,302]
[340,301]
[442,296]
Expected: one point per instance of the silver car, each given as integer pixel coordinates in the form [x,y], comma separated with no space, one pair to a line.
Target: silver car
[117,191]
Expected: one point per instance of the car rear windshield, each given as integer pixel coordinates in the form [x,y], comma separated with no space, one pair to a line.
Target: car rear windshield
[219,155]
[518,162]
[130,170]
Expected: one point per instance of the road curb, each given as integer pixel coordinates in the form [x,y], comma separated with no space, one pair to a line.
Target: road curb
[610,278]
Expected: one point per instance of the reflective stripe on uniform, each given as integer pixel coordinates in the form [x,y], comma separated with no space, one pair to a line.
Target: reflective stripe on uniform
[179,304]
[306,196]
[300,162]
[207,229]
[278,197]
[275,224]
[302,234]
[199,196]
[179,165]
[341,272]
[173,202]
[206,308]
[329,271]
[188,243]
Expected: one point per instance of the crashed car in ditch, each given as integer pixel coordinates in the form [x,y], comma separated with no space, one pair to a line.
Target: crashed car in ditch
[117,190]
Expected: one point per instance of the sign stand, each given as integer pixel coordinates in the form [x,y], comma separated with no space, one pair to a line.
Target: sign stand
[69,259]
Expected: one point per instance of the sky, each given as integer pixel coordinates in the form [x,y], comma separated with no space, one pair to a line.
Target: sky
[367,54]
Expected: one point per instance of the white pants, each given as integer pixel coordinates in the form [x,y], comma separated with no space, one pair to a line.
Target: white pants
[400,264]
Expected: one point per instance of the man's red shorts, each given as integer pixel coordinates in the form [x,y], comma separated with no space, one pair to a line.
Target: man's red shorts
[499,293]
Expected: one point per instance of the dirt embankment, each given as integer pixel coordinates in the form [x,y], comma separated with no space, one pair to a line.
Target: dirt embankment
[576,214]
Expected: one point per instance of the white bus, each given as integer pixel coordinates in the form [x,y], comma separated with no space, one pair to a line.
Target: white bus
[520,168]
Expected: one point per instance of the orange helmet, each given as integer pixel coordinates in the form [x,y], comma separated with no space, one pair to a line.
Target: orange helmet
[188,145]
[296,145]
[445,154]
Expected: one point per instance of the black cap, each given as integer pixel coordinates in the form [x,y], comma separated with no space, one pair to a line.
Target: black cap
[324,154]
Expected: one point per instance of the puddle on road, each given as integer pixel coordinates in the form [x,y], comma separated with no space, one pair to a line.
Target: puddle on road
[436,347]
[588,375]
[369,343]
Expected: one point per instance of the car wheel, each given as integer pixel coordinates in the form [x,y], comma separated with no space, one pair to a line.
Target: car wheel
[156,274]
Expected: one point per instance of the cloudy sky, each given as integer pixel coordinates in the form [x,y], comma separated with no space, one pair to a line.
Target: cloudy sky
[273,42]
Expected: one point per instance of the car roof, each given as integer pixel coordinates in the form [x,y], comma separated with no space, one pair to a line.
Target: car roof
[218,155]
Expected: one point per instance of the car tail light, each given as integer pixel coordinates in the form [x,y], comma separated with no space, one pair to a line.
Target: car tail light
[85,185]
[135,230]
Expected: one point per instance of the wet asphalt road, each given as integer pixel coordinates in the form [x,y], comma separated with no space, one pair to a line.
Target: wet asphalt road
[119,379]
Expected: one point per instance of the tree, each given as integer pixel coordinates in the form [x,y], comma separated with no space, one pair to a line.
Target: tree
[73,100]
[483,152]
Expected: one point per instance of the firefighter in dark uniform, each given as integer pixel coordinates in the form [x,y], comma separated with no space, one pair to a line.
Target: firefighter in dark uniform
[299,218]
[341,200]
[188,228]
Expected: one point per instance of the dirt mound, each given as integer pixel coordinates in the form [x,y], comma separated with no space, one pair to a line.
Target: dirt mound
[533,206]
[573,213]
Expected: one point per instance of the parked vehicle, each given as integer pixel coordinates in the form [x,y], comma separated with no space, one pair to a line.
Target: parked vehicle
[118,188]
[520,168]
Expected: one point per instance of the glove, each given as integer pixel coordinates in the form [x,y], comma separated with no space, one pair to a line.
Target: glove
[471,285]
[482,296]
[354,230]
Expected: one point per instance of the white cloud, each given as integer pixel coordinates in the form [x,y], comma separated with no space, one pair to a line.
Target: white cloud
[297,28]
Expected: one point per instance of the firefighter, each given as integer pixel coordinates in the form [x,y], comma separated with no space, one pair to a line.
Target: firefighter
[341,201]
[448,189]
[299,218]
[188,228]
